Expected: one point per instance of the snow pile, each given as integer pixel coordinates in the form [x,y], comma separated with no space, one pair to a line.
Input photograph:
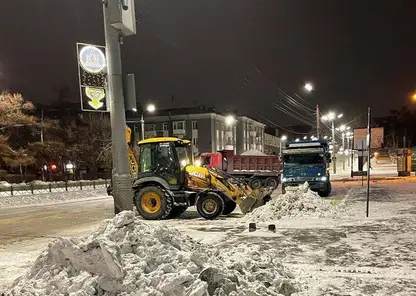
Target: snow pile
[297,202]
[49,198]
[5,184]
[253,153]
[125,256]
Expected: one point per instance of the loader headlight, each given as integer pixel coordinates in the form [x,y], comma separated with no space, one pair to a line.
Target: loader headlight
[184,163]
[197,163]
[324,178]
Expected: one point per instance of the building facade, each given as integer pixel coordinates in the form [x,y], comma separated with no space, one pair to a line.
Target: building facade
[208,130]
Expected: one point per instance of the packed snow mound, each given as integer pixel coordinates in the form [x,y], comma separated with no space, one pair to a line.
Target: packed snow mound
[253,153]
[297,202]
[126,256]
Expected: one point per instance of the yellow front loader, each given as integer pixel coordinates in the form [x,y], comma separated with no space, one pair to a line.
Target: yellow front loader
[166,182]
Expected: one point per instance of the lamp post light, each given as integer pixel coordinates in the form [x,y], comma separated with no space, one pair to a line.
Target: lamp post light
[150,108]
[308,87]
[332,116]
[282,139]
[229,123]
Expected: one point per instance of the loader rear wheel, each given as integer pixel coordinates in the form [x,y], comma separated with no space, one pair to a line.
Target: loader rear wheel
[210,205]
[229,207]
[255,183]
[153,204]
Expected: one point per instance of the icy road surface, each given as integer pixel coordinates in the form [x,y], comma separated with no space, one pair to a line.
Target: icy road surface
[351,256]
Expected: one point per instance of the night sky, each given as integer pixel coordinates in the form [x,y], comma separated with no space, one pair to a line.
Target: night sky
[224,53]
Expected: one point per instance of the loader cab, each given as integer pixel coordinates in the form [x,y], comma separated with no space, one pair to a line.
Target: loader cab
[165,158]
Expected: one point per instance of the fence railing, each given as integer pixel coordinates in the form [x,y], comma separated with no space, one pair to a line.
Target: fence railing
[30,189]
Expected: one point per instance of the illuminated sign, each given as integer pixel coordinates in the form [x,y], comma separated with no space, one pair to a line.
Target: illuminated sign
[92,59]
[95,95]
[92,75]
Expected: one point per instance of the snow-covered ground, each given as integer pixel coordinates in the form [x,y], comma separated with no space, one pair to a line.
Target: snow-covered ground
[50,198]
[349,255]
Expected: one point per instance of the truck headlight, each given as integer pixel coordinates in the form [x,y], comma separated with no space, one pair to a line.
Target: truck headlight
[197,163]
[284,180]
[324,178]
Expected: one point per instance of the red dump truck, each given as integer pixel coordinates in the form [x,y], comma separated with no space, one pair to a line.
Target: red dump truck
[257,170]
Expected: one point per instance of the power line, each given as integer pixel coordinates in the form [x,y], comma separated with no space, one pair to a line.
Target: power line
[280,127]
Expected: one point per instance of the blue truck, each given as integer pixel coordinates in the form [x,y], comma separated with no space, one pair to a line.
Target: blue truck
[307,161]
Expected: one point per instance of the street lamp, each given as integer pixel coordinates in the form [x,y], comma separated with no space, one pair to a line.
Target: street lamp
[282,139]
[229,120]
[331,116]
[150,108]
[414,97]
[308,86]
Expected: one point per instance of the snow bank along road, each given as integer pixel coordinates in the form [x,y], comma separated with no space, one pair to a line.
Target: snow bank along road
[347,256]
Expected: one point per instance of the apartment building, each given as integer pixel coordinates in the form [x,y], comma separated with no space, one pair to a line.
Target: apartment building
[208,130]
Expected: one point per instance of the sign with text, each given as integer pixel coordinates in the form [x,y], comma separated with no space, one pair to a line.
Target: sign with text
[360,138]
[92,74]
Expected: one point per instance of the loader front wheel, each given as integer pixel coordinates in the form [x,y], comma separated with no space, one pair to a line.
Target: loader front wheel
[210,205]
[229,207]
[153,204]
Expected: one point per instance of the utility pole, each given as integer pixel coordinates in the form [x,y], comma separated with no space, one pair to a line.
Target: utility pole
[334,159]
[121,180]
[41,141]
[368,160]
[318,122]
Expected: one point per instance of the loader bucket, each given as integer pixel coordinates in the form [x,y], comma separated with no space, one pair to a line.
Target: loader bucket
[254,200]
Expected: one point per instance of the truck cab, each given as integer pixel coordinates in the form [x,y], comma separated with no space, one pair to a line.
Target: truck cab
[307,161]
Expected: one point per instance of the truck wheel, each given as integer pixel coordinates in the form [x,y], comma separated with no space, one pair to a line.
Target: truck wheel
[327,192]
[153,204]
[210,205]
[177,212]
[256,183]
[229,207]
[272,182]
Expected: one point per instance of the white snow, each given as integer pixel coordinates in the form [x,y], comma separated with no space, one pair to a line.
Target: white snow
[253,152]
[297,202]
[49,198]
[125,256]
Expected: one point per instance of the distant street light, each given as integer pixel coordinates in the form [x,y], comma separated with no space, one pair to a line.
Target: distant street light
[150,108]
[282,139]
[229,120]
[414,97]
[331,116]
[308,86]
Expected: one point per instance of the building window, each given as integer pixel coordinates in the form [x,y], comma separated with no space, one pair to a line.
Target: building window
[179,125]
[194,125]
[136,129]
[194,141]
[150,127]
[165,126]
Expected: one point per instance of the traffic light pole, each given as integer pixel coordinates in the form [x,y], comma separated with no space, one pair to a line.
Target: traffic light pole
[121,180]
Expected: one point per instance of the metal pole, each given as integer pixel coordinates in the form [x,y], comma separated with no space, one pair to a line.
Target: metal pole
[368,161]
[333,149]
[41,141]
[142,125]
[121,179]
[280,148]
[318,124]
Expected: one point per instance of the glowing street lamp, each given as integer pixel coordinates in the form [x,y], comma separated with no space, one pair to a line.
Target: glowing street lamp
[414,97]
[331,116]
[282,139]
[229,120]
[308,86]
[149,108]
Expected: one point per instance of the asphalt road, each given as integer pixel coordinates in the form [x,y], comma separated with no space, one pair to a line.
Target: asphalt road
[26,231]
